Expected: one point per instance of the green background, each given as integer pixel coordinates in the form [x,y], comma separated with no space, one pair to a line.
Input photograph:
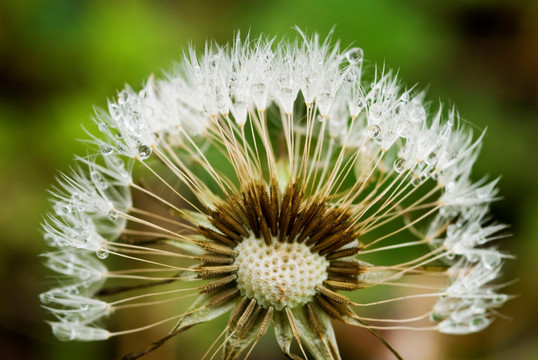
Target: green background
[60,58]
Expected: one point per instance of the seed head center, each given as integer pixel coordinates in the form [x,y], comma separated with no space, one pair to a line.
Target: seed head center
[279,275]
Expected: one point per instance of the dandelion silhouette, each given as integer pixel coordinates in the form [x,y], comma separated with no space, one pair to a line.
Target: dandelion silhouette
[266,174]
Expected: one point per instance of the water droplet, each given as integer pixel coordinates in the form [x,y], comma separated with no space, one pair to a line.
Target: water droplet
[435,317]
[95,176]
[46,298]
[106,150]
[144,93]
[84,306]
[213,61]
[355,55]
[374,131]
[325,98]
[62,242]
[49,239]
[451,186]
[479,323]
[82,240]
[491,260]
[417,114]
[136,118]
[399,165]
[499,299]
[361,102]
[451,230]
[482,192]
[102,253]
[349,77]
[113,214]
[62,209]
[259,87]
[375,112]
[416,180]
[123,97]
[431,158]
[115,111]
[84,274]
[144,152]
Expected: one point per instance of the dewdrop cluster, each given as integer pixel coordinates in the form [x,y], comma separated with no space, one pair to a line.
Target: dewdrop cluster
[279,275]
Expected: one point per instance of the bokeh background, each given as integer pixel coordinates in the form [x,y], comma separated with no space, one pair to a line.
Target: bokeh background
[60,58]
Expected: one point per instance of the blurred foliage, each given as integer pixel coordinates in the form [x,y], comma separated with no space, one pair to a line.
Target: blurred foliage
[59,58]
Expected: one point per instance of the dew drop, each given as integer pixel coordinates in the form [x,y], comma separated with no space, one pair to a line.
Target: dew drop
[49,239]
[115,111]
[325,98]
[349,77]
[136,118]
[399,165]
[479,323]
[144,152]
[84,274]
[355,55]
[83,240]
[84,306]
[123,97]
[491,260]
[451,230]
[106,150]
[259,87]
[95,176]
[46,298]
[144,94]
[62,208]
[431,158]
[435,317]
[417,114]
[451,186]
[62,242]
[375,112]
[482,192]
[374,131]
[361,102]
[398,109]
[113,214]
[406,129]
[102,253]
[213,61]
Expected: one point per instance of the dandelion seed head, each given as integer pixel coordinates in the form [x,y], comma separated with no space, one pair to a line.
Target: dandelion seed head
[271,181]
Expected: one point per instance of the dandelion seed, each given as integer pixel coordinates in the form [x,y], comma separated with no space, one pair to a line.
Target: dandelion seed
[291,185]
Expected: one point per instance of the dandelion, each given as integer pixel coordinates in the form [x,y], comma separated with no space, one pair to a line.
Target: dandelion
[274,182]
